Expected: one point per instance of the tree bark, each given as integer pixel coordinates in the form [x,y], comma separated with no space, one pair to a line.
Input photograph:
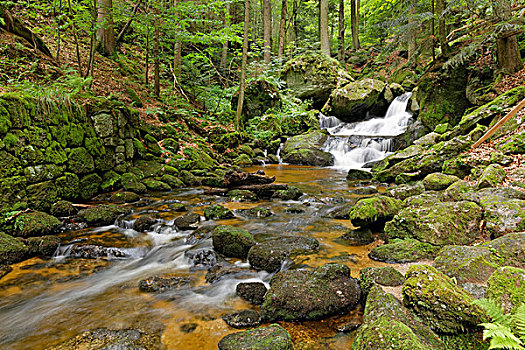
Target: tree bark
[341,36]
[243,64]
[128,23]
[354,14]
[293,26]
[442,28]
[282,28]
[323,27]
[177,51]
[508,53]
[106,30]
[267,30]
[226,23]
[412,25]
[156,54]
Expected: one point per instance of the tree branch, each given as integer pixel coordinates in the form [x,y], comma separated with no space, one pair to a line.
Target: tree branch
[128,23]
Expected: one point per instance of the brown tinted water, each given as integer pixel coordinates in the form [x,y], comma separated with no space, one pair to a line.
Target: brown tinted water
[43,302]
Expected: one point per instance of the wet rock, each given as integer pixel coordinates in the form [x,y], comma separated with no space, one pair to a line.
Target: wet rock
[219,271]
[103,338]
[217,212]
[189,179]
[441,224]
[188,327]
[63,209]
[12,249]
[104,214]
[156,185]
[295,209]
[438,181]
[388,324]
[144,223]
[264,191]
[172,181]
[202,233]
[30,224]
[385,276]
[161,284]
[364,191]
[242,196]
[507,286]
[492,176]
[271,254]
[202,257]
[439,302]
[510,249]
[89,251]
[236,179]
[232,241]
[256,212]
[374,211]
[291,193]
[130,182]
[45,245]
[349,327]
[403,251]
[502,212]
[356,174]
[343,211]
[467,264]
[243,319]
[273,337]
[427,199]
[177,207]
[301,295]
[253,292]
[306,150]
[124,197]
[361,236]
[4,270]
[188,221]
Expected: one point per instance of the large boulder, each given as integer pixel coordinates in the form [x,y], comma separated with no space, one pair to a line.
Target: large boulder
[374,211]
[313,76]
[33,223]
[492,176]
[404,251]
[504,211]
[232,241]
[351,102]
[306,150]
[12,249]
[259,96]
[441,224]
[218,212]
[439,302]
[301,295]
[384,276]
[507,286]
[271,254]
[438,181]
[273,337]
[104,214]
[510,249]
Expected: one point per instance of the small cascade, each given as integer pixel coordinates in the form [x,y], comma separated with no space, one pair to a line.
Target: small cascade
[278,155]
[354,144]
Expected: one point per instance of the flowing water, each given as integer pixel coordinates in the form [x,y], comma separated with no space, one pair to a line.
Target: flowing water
[355,144]
[45,301]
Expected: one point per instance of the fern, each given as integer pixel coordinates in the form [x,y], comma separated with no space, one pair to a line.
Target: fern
[506,331]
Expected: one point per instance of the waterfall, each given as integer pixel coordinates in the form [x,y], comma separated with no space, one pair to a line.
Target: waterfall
[354,144]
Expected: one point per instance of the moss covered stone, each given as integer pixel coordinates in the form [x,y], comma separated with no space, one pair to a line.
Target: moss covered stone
[374,211]
[243,160]
[441,224]
[46,245]
[301,295]
[12,250]
[403,192]
[385,276]
[510,249]
[403,251]
[130,182]
[104,214]
[438,181]
[273,337]
[34,223]
[124,197]
[156,185]
[41,196]
[439,302]
[217,212]
[491,176]
[110,181]
[89,186]
[63,208]
[68,186]
[467,264]
[195,158]
[306,150]
[80,161]
[291,193]
[515,144]
[256,212]
[507,286]
[241,195]
[172,181]
[232,241]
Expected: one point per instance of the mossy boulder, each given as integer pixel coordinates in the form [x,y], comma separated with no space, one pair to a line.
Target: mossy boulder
[301,295]
[241,196]
[41,196]
[492,176]
[306,150]
[384,276]
[189,179]
[80,161]
[507,286]
[104,214]
[352,101]
[63,209]
[124,197]
[403,251]
[270,254]
[374,211]
[45,245]
[243,319]
[156,185]
[504,211]
[172,181]
[313,76]
[510,249]
[130,182]
[439,302]
[357,174]
[290,193]
[256,212]
[68,186]
[218,212]
[144,223]
[243,160]
[12,250]
[232,241]
[33,223]
[403,192]
[196,158]
[514,144]
[259,96]
[442,224]
[438,181]
[272,337]
[89,186]
[189,221]
[252,292]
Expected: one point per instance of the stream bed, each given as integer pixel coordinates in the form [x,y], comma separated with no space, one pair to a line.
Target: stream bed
[44,302]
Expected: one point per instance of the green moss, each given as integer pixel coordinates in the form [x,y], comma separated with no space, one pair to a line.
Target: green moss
[243,160]
[273,337]
[385,333]
[33,224]
[385,276]
[374,210]
[507,286]
[241,195]
[140,148]
[491,176]
[155,185]
[10,140]
[55,154]
[232,242]
[42,195]
[89,186]
[102,214]
[195,158]
[5,121]
[514,144]
[217,212]
[80,161]
[68,186]
[438,181]
[403,251]
[130,182]
[12,250]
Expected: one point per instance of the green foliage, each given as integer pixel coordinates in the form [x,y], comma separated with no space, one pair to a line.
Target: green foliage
[506,331]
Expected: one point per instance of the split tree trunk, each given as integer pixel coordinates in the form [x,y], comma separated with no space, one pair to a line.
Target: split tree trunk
[341,36]
[267,30]
[354,14]
[323,27]
[106,31]
[282,28]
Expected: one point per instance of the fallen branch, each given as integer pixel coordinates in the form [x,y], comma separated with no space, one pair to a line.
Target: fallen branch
[17,214]
[498,125]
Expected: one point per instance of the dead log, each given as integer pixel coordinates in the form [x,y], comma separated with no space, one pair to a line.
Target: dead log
[235,179]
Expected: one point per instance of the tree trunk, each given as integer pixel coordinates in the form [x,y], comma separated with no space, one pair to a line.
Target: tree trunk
[92,44]
[226,23]
[282,28]
[156,54]
[243,64]
[177,52]
[293,26]
[106,31]
[508,53]
[412,26]
[267,30]
[146,63]
[433,25]
[442,28]
[354,14]
[323,27]
[341,36]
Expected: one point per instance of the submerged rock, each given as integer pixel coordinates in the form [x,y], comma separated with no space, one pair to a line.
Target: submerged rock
[253,292]
[273,337]
[188,221]
[243,319]
[232,241]
[242,196]
[361,236]
[144,223]
[219,271]
[291,193]
[256,212]
[161,284]
[202,257]
[301,295]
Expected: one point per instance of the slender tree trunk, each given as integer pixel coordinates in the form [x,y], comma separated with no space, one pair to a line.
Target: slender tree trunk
[433,25]
[341,36]
[293,26]
[267,30]
[508,53]
[354,14]
[442,28]
[243,64]
[323,27]
[128,23]
[282,28]
[156,53]
[146,68]
[106,31]
[92,45]
[59,35]
[412,25]
[75,36]
[177,51]
[226,23]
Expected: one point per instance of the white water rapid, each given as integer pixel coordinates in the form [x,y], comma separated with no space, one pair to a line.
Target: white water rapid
[354,144]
